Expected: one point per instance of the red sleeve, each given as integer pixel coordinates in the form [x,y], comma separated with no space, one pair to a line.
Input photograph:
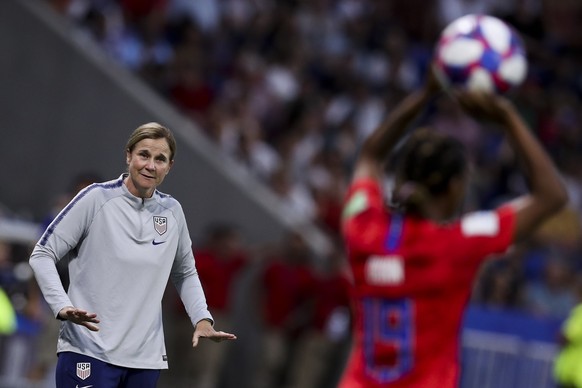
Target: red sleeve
[371,188]
[485,233]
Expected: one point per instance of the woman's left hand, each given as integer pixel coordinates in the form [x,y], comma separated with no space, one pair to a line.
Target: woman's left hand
[204,329]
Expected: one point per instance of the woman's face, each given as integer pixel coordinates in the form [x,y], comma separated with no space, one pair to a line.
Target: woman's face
[148,164]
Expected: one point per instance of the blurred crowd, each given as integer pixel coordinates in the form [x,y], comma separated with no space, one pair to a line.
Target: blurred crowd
[289,88]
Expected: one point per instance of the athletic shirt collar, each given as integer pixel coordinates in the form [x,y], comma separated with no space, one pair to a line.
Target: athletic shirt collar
[136,202]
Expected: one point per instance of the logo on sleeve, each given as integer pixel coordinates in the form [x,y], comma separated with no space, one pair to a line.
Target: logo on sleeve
[356,204]
[160,224]
[482,223]
[83,370]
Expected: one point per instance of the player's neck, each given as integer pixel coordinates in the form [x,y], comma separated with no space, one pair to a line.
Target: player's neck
[438,209]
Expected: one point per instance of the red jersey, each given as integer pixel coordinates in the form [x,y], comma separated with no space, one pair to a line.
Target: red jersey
[412,279]
[218,276]
[331,294]
[289,288]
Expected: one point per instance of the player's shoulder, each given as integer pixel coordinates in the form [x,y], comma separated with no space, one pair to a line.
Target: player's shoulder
[169,203]
[474,224]
[363,194]
[167,200]
[100,190]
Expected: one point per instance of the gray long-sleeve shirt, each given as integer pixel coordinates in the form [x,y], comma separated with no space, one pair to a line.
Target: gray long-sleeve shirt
[122,251]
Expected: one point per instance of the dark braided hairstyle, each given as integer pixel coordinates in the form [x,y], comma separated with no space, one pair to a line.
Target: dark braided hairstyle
[427,163]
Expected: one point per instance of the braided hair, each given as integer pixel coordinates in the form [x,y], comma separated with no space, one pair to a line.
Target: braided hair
[428,162]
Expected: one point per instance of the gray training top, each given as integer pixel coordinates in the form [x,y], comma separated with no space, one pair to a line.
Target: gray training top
[122,250]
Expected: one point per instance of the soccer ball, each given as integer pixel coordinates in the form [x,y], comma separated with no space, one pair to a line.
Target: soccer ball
[480,52]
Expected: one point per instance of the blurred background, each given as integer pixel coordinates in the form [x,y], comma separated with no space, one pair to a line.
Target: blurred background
[270,101]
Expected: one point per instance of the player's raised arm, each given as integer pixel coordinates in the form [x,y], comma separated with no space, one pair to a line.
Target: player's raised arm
[547,193]
[378,146]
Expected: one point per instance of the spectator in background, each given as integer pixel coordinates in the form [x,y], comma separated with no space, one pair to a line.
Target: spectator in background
[288,290]
[500,283]
[552,294]
[499,286]
[7,312]
[8,325]
[143,45]
[19,351]
[250,150]
[326,177]
[321,349]
[189,82]
[567,370]
[220,260]
[77,183]
[8,279]
[7,315]
[295,197]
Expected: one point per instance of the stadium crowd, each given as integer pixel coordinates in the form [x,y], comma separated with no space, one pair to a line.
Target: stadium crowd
[289,88]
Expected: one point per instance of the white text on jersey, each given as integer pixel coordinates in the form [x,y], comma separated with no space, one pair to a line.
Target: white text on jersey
[385,270]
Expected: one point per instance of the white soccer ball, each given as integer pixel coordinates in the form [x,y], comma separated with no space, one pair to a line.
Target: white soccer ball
[480,52]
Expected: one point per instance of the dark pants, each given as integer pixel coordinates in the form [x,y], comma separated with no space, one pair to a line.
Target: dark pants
[78,371]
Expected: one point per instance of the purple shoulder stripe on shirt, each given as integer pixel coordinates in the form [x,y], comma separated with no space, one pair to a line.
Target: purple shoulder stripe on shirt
[51,228]
[162,195]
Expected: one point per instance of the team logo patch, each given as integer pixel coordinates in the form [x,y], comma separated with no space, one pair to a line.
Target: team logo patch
[160,224]
[83,370]
[357,204]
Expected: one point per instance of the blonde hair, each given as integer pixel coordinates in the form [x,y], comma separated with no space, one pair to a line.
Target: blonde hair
[152,130]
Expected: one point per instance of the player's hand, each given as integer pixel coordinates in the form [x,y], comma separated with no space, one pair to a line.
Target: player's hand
[80,317]
[204,329]
[484,105]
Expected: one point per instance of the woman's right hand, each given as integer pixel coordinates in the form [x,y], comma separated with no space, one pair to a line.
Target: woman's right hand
[485,105]
[79,317]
